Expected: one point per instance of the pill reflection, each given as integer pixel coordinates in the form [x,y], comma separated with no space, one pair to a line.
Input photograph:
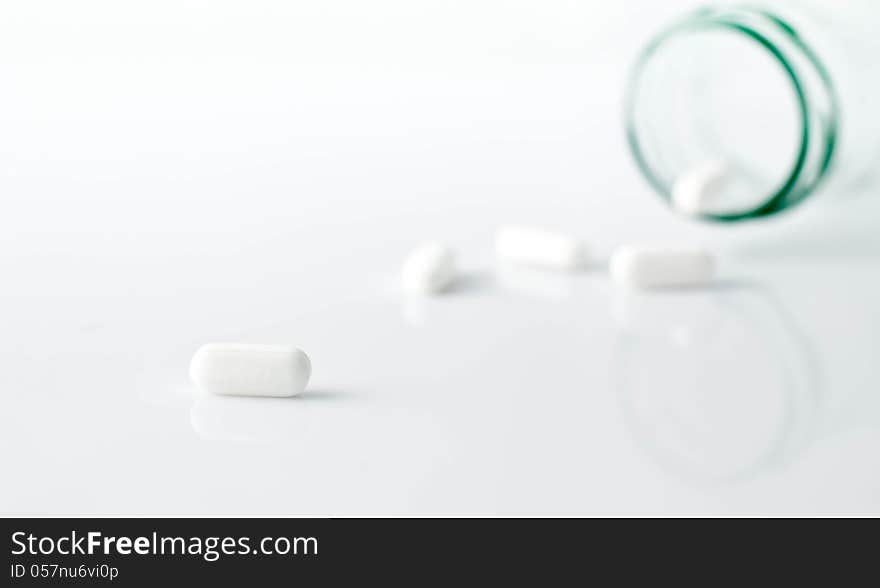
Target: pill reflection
[683,317]
[419,310]
[251,420]
[332,428]
[534,282]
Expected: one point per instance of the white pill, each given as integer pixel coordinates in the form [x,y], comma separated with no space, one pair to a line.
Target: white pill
[695,191]
[429,269]
[250,370]
[640,266]
[540,247]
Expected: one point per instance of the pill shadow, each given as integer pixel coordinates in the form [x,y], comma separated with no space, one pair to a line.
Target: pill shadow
[717,286]
[473,282]
[328,395]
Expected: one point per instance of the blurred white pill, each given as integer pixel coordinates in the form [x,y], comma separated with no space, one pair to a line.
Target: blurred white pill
[240,369]
[642,266]
[429,269]
[540,247]
[696,190]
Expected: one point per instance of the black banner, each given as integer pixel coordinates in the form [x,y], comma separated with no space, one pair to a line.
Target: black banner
[239,551]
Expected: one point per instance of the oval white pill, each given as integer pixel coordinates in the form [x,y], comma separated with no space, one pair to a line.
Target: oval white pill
[540,247]
[429,269]
[250,370]
[696,190]
[640,266]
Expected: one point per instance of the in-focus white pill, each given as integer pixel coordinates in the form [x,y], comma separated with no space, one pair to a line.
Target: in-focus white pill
[429,269]
[540,247]
[695,191]
[641,266]
[250,370]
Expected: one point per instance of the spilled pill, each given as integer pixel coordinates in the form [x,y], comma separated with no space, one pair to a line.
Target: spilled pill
[540,247]
[429,269]
[640,266]
[694,192]
[250,370]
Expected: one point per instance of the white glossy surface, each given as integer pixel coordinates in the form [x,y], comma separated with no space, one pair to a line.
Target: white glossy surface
[181,192]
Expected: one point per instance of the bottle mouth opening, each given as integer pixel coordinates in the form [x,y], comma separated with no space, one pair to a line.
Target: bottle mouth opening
[737,92]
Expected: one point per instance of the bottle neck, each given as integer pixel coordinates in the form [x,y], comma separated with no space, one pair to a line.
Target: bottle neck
[782,144]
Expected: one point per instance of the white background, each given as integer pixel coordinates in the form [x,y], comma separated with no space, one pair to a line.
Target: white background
[175,173]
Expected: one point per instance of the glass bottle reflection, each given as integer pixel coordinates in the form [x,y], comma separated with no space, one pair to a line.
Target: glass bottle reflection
[716,385]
